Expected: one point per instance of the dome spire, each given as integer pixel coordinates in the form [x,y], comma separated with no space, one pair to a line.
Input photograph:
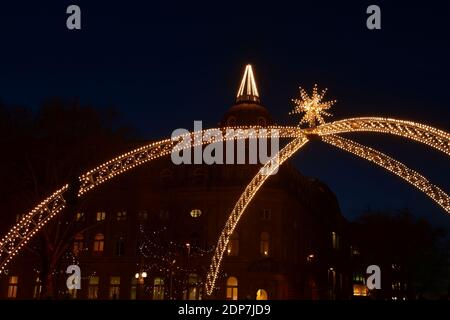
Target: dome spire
[248,92]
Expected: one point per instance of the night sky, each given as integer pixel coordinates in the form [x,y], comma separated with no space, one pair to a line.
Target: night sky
[165,65]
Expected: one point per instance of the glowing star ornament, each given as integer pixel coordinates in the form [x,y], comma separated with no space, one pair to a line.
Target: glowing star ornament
[312,106]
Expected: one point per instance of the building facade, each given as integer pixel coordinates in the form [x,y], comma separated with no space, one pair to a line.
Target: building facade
[150,234]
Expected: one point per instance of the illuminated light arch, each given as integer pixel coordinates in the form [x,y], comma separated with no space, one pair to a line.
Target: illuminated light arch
[422,133]
[240,206]
[392,165]
[433,137]
[27,227]
[38,217]
[155,150]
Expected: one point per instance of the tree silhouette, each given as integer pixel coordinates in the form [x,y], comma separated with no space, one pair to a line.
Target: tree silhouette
[43,150]
[420,250]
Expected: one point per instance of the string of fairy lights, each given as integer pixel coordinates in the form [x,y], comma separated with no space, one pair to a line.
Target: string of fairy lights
[312,106]
[245,198]
[165,259]
[394,166]
[314,110]
[430,136]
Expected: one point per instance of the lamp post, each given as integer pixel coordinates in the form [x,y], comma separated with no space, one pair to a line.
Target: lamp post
[188,246]
[140,277]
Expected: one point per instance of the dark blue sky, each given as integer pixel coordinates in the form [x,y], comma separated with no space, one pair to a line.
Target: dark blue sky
[164,65]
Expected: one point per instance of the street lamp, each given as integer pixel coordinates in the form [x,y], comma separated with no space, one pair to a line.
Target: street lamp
[140,277]
[188,246]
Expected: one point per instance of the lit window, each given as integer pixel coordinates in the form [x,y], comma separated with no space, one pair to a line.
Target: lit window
[72,293]
[13,283]
[335,240]
[114,288]
[354,251]
[194,286]
[133,289]
[233,245]
[396,285]
[101,216]
[232,288]
[37,289]
[266,214]
[360,290]
[359,278]
[99,242]
[120,247]
[158,289]
[121,216]
[264,247]
[310,258]
[78,244]
[80,216]
[195,213]
[261,294]
[332,283]
[93,287]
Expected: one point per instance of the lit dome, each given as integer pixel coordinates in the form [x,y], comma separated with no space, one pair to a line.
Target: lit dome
[247,110]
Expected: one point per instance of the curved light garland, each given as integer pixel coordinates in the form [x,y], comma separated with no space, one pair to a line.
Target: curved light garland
[372,155]
[392,165]
[430,136]
[28,226]
[240,206]
[158,149]
[32,222]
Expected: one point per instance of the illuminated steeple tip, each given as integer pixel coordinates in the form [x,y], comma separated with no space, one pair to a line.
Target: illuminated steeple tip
[248,92]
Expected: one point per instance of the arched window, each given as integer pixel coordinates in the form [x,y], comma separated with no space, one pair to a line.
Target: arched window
[99,242]
[13,285]
[158,289]
[114,288]
[335,240]
[233,245]
[78,244]
[195,213]
[264,247]
[93,287]
[194,287]
[232,288]
[133,289]
[261,294]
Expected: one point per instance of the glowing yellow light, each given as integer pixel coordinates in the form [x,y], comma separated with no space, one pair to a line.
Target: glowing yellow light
[394,166]
[430,136]
[248,84]
[31,223]
[240,206]
[312,106]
